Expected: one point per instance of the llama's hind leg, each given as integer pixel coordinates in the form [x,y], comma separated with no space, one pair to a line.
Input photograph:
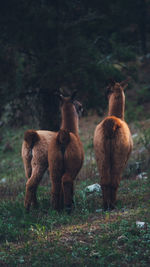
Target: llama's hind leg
[55,194]
[67,186]
[114,189]
[106,193]
[113,196]
[31,188]
[105,183]
[61,199]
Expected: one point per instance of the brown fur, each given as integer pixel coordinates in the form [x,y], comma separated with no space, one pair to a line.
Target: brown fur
[35,159]
[31,137]
[63,138]
[111,125]
[112,145]
[65,157]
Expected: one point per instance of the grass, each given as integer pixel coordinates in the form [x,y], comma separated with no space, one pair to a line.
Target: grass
[89,237]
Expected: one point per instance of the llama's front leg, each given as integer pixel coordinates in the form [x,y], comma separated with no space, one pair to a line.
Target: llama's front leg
[67,186]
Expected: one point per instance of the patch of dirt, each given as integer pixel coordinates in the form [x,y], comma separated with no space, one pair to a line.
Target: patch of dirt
[84,233]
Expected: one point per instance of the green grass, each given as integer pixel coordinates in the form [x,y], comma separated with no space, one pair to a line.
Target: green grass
[84,238]
[88,237]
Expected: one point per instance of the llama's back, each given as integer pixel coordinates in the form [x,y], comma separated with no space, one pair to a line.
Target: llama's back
[113,145]
[65,153]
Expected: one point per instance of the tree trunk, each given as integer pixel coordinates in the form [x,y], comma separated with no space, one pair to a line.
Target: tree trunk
[48,112]
[142,24]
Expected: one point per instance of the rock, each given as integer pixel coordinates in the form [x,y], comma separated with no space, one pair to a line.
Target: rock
[142,175]
[93,188]
[140,224]
[99,210]
[3,180]
[134,135]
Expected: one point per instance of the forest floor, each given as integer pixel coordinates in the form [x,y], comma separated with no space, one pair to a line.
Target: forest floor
[89,236]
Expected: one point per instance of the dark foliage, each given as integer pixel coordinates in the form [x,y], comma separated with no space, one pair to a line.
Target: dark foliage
[46,45]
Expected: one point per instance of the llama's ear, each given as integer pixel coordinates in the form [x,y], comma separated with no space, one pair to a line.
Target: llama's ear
[109,89]
[125,86]
[64,91]
[111,82]
[73,95]
[60,96]
[124,83]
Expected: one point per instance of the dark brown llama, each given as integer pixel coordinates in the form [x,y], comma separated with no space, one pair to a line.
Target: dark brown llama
[35,160]
[65,155]
[112,144]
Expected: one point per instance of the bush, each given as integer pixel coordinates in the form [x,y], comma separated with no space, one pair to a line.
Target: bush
[124,54]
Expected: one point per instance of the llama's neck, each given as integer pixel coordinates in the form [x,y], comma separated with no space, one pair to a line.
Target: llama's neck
[69,118]
[117,105]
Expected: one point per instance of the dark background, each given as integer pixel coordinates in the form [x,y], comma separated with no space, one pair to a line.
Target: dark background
[72,44]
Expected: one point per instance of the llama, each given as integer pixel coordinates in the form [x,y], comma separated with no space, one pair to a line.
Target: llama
[112,144]
[35,160]
[65,155]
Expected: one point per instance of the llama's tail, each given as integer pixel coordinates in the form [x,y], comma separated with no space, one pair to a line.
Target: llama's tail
[31,137]
[111,126]
[63,139]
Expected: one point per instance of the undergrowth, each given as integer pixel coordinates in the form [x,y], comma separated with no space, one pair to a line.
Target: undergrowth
[89,236]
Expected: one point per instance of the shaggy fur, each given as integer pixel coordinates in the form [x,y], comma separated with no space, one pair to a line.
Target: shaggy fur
[35,159]
[65,156]
[112,145]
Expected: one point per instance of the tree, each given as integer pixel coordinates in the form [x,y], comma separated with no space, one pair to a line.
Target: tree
[71,44]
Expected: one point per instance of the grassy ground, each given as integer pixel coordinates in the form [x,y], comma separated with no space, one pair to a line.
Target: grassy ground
[90,236]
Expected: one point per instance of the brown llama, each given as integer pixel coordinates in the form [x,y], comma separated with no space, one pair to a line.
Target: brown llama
[65,155]
[35,159]
[112,144]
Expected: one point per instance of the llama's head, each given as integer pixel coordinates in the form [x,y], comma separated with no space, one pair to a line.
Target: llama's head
[116,98]
[115,88]
[69,104]
[70,110]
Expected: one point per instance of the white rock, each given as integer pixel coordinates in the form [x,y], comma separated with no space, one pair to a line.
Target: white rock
[3,180]
[93,188]
[134,135]
[140,224]
[99,210]
[142,175]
